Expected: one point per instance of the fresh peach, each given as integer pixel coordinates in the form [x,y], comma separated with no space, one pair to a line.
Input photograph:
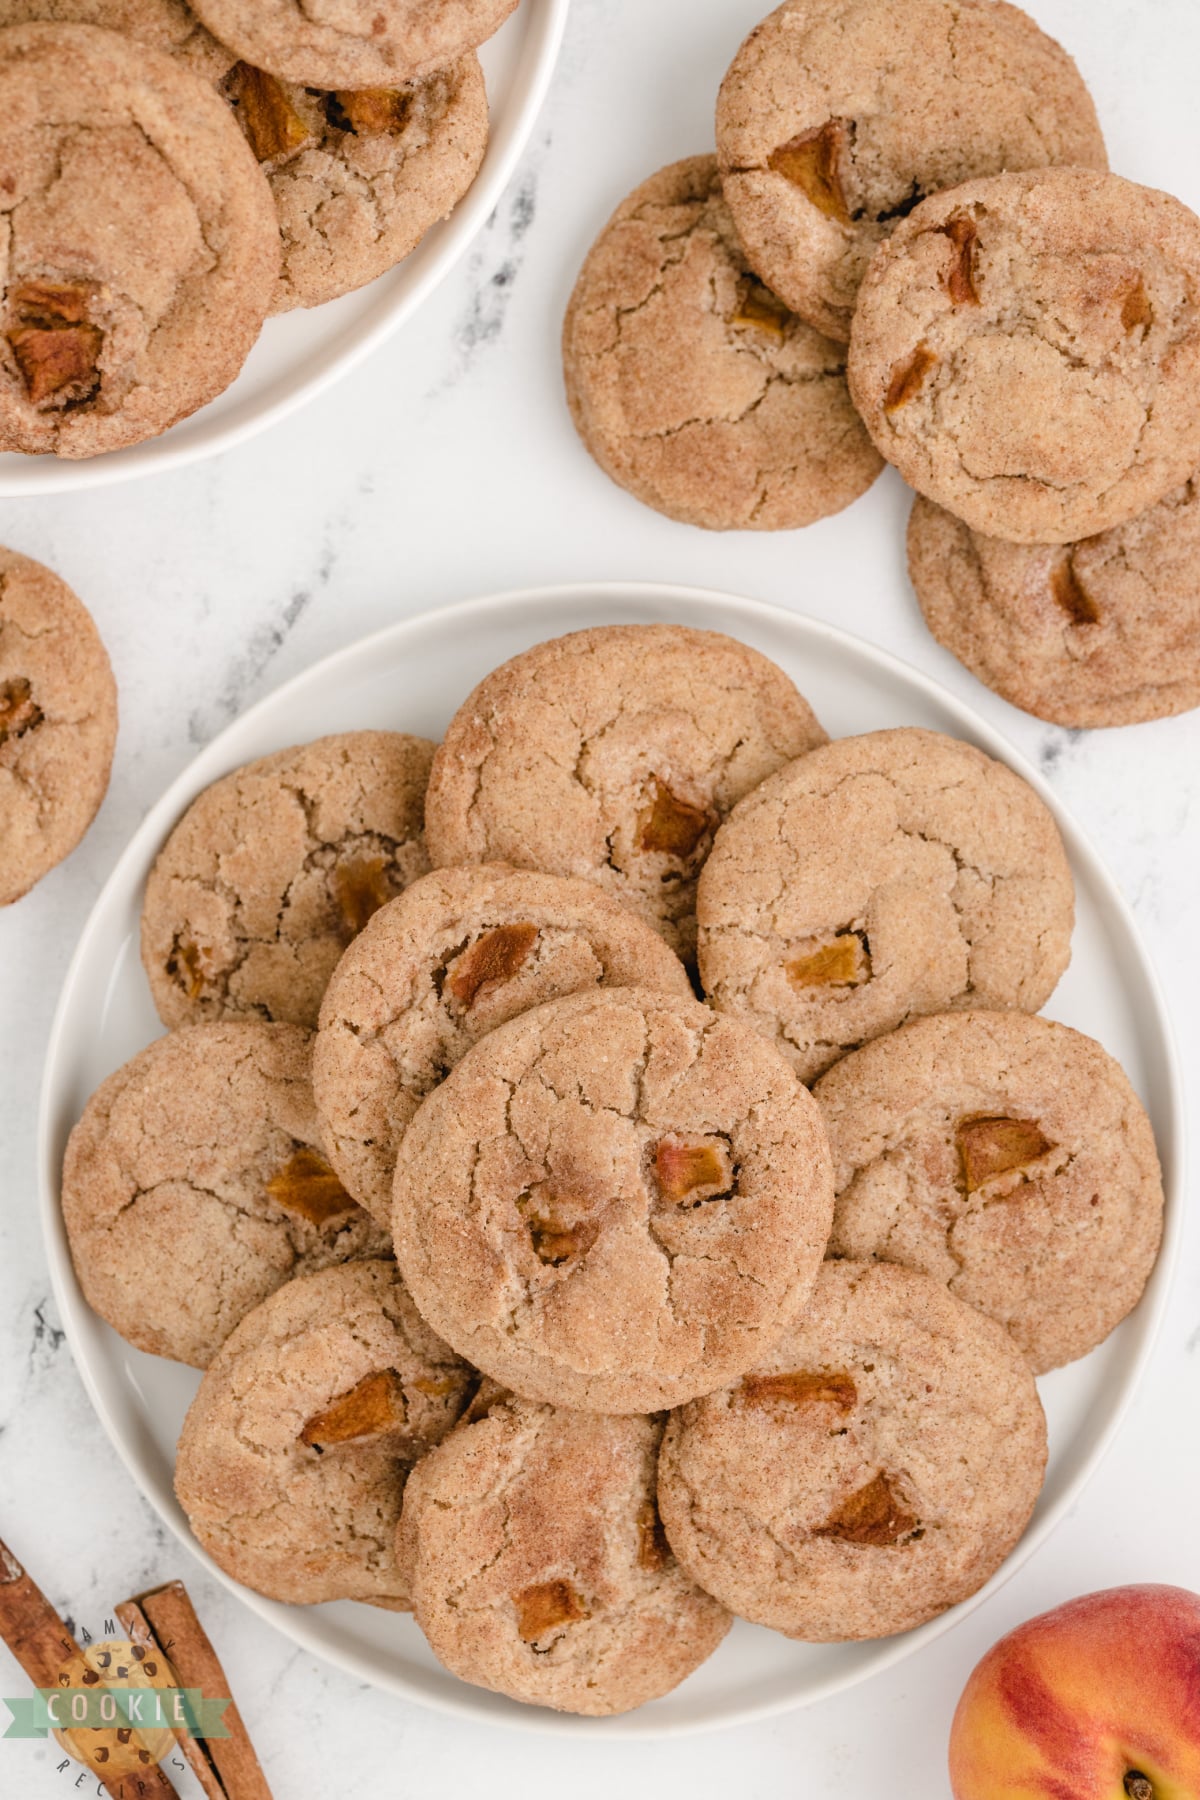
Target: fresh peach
[1097,1700]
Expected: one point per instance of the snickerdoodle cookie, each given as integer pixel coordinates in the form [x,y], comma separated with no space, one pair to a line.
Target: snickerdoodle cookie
[166,24]
[539,1567]
[58,722]
[691,385]
[1026,350]
[614,1201]
[613,754]
[874,1468]
[1102,632]
[838,116]
[194,1186]
[142,243]
[457,954]
[360,44]
[896,873]
[1006,1157]
[294,1452]
[275,868]
[359,178]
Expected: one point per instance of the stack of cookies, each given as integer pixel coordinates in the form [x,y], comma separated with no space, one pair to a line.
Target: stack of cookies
[908,248]
[174,176]
[611,1169]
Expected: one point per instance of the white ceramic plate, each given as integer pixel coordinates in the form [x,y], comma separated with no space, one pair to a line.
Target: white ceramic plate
[304,352]
[412,677]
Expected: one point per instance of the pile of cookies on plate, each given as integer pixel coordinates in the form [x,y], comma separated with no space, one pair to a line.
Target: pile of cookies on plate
[175,173]
[908,248]
[611,1169]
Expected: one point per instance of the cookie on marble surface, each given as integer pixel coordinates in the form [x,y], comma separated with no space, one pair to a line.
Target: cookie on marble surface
[360,44]
[294,1452]
[613,754]
[875,1468]
[166,24]
[457,954]
[896,873]
[539,1565]
[275,868]
[614,1201]
[143,247]
[359,178]
[58,722]
[838,116]
[1101,632]
[194,1185]
[1026,350]
[691,385]
[1007,1157]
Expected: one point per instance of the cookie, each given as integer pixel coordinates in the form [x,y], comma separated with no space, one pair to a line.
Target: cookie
[458,953]
[359,178]
[359,44]
[613,754]
[294,1452]
[539,1565]
[691,385]
[875,1468]
[896,873]
[194,1185]
[1006,1157]
[169,25]
[614,1201]
[839,116]
[143,248]
[1026,350]
[274,869]
[58,722]
[1101,632]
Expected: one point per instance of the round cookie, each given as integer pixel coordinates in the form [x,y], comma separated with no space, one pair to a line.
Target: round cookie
[1026,350]
[194,1186]
[169,25]
[143,248]
[352,43]
[613,754]
[359,178]
[875,1468]
[1102,632]
[274,869]
[457,954]
[838,116]
[614,1201]
[1006,1157]
[691,385]
[294,1452]
[896,873]
[539,1565]
[58,722]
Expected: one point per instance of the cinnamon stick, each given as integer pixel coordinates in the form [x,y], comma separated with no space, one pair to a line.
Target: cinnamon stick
[137,1629]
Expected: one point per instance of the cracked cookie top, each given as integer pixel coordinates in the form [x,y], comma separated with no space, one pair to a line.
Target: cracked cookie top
[692,385]
[294,1452]
[1105,631]
[1007,1157]
[58,722]
[838,116]
[275,868]
[1026,350]
[359,177]
[457,954]
[613,754]
[874,1469]
[539,1567]
[169,25]
[895,873]
[614,1201]
[352,43]
[194,1185]
[141,248]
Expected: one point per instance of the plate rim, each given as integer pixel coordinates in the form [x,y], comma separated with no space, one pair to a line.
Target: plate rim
[215,759]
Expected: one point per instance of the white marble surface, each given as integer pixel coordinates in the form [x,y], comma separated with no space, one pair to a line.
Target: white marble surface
[445,467]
